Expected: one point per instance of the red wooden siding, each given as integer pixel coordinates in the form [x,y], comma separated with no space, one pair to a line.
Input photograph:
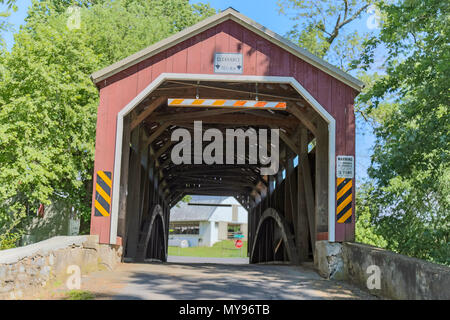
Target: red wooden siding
[195,55]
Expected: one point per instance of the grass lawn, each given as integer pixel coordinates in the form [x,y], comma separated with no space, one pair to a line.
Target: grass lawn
[79,295]
[222,249]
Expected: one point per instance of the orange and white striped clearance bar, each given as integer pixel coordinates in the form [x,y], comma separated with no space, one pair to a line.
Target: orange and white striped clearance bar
[252,104]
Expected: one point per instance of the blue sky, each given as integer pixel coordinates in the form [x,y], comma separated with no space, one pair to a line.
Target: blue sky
[266,13]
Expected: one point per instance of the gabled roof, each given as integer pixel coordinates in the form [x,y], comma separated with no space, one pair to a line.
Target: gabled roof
[196,213]
[229,14]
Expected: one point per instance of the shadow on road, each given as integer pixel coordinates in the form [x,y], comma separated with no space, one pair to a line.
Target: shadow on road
[209,281]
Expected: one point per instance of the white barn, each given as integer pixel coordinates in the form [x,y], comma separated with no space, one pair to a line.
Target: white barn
[206,220]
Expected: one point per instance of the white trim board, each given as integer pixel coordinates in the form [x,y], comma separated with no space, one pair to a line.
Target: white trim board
[223,78]
[229,14]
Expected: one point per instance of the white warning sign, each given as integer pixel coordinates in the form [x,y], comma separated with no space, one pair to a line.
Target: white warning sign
[228,63]
[345,167]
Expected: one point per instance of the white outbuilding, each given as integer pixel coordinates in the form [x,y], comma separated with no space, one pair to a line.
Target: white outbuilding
[206,220]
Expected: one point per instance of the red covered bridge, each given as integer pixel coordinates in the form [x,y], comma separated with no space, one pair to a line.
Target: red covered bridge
[214,72]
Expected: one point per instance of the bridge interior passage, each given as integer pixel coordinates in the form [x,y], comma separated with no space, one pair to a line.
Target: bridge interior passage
[288,210]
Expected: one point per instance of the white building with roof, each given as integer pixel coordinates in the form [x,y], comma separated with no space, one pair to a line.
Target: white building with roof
[206,220]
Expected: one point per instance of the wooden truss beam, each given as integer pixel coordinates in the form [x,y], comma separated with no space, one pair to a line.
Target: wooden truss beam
[147,111]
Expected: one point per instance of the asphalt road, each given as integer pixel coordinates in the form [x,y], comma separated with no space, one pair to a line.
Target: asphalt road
[190,278]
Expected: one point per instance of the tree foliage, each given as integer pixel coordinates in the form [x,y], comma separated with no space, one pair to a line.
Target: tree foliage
[48,103]
[365,230]
[324,28]
[10,5]
[328,29]
[405,205]
[410,172]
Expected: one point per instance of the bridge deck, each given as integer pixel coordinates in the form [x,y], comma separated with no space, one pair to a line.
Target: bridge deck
[208,281]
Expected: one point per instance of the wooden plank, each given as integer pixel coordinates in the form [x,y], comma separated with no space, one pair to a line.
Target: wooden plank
[163,149]
[249,51]
[222,38]
[158,168]
[225,193]
[321,179]
[207,50]
[302,235]
[194,54]
[192,115]
[156,134]
[210,181]
[242,119]
[132,223]
[148,111]
[235,38]
[219,172]
[144,74]
[310,83]
[145,185]
[288,200]
[304,118]
[159,65]
[208,184]
[292,188]
[263,57]
[211,188]
[208,91]
[290,143]
[180,57]
[308,185]
[121,225]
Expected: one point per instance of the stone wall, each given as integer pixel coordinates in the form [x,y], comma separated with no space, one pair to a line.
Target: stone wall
[382,272]
[328,260]
[24,271]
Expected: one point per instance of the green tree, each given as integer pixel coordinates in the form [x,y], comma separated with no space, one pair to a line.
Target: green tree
[324,28]
[365,230]
[10,6]
[48,103]
[410,168]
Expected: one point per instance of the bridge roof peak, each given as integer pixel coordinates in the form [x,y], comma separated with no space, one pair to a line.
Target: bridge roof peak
[210,22]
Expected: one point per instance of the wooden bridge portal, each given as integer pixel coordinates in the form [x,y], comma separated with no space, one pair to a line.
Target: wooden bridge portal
[136,182]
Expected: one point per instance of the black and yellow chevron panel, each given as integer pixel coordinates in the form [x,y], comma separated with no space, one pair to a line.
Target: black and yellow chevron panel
[103,189]
[344,198]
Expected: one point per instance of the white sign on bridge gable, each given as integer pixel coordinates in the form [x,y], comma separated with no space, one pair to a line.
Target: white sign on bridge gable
[345,167]
[228,63]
